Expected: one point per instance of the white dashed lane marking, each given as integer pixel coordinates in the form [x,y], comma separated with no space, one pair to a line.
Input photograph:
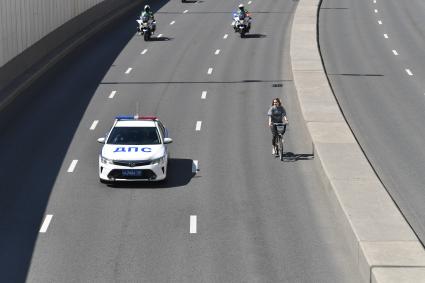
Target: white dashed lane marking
[249,3]
[385,35]
[376,11]
[112,94]
[409,72]
[217,52]
[210,71]
[172,23]
[395,52]
[93,126]
[225,36]
[128,70]
[198,125]
[144,51]
[380,22]
[185,11]
[72,166]
[46,223]
[204,95]
[193,224]
[195,166]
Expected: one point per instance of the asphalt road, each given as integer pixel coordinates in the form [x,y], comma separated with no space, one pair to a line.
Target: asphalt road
[257,219]
[373,54]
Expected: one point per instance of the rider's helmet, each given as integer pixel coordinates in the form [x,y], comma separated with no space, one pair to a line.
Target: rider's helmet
[147,8]
[241,6]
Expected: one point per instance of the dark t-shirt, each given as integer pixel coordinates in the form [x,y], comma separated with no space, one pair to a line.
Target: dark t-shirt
[277,113]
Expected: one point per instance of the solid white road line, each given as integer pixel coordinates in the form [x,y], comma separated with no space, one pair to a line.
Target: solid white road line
[198,125]
[380,22]
[112,94]
[210,71]
[204,95]
[195,166]
[72,166]
[144,51]
[217,52]
[193,228]
[93,126]
[172,23]
[159,35]
[128,70]
[46,223]
[225,36]
[185,11]
[409,72]
[395,52]
[385,35]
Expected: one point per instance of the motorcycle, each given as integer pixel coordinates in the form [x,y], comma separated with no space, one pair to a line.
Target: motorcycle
[146,28]
[241,24]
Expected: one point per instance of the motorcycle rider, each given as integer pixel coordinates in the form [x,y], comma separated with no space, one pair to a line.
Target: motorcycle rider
[147,15]
[242,14]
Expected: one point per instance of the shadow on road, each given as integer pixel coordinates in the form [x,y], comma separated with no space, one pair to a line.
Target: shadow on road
[255,35]
[164,38]
[292,157]
[36,131]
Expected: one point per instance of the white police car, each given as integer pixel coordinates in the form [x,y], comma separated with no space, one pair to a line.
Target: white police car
[135,149]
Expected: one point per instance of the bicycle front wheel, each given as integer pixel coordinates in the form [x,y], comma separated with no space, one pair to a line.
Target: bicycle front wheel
[280,145]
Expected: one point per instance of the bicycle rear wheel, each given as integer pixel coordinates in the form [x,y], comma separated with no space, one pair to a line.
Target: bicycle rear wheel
[280,146]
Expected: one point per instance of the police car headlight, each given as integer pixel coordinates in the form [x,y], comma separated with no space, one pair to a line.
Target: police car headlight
[106,160]
[158,160]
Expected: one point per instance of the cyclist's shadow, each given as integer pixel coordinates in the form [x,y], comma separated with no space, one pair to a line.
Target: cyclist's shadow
[292,157]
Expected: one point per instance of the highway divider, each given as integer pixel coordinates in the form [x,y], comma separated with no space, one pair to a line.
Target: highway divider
[383,244]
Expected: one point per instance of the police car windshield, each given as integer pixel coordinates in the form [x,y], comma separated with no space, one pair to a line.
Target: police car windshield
[134,136]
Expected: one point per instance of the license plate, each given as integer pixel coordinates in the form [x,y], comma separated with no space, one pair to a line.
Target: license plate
[132,173]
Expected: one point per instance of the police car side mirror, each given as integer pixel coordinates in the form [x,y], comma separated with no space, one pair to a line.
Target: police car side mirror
[167,140]
[101,140]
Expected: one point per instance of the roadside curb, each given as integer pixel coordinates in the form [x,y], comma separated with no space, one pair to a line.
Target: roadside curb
[74,42]
[383,244]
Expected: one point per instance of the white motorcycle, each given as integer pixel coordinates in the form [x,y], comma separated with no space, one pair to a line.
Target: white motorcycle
[241,24]
[146,28]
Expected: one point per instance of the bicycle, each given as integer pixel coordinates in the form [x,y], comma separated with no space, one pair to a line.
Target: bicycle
[280,129]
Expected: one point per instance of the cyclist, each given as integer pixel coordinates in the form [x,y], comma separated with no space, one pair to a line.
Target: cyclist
[277,114]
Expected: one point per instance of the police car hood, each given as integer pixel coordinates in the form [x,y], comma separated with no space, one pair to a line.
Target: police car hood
[132,152]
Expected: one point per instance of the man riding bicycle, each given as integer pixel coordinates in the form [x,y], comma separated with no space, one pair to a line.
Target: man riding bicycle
[277,114]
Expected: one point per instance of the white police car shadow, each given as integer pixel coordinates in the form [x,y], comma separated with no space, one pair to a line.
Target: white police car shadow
[180,172]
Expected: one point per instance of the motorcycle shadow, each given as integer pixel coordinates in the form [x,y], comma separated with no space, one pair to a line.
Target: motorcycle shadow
[160,38]
[255,35]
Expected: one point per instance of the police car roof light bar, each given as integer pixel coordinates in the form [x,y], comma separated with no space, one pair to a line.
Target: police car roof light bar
[147,118]
[124,117]
[136,117]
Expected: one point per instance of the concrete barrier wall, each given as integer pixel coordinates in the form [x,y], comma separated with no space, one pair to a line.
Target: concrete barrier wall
[24,22]
[36,34]
[382,243]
